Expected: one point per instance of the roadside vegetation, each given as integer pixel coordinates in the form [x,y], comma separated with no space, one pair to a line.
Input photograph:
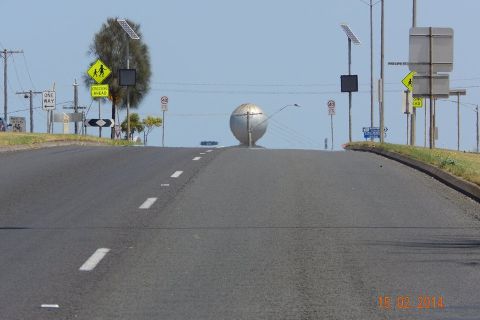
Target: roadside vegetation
[461,164]
[14,138]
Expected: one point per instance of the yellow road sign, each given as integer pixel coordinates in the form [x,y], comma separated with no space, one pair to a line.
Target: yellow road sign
[99,91]
[417,102]
[408,81]
[99,71]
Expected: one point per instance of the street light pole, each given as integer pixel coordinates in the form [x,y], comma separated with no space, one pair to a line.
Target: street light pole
[128,89]
[371,65]
[382,73]
[349,93]
[133,35]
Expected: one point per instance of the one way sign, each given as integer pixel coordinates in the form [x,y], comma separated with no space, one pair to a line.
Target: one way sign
[99,123]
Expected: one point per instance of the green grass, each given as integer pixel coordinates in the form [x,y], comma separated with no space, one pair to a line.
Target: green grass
[13,139]
[461,164]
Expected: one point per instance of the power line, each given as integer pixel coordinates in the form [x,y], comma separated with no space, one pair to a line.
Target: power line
[28,71]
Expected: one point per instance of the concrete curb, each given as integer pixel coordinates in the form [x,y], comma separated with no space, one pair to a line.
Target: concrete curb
[42,145]
[467,188]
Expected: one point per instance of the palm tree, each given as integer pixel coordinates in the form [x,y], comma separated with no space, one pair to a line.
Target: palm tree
[109,45]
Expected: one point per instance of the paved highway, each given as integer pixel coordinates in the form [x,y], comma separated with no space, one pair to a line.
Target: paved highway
[151,233]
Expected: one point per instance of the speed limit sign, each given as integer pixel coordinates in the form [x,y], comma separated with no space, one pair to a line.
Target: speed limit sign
[164,101]
[331,107]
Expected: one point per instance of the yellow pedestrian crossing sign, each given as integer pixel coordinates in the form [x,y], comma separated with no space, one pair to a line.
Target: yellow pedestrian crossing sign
[408,81]
[99,71]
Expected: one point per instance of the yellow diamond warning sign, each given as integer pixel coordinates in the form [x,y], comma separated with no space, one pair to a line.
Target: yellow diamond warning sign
[99,71]
[408,81]
[99,91]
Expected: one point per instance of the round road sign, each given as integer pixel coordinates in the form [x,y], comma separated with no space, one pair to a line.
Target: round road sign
[331,103]
[164,100]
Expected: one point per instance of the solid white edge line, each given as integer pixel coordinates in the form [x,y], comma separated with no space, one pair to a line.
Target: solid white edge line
[196,158]
[148,203]
[94,259]
[49,306]
[176,174]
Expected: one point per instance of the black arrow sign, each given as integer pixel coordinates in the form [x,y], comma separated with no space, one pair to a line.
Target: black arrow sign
[99,123]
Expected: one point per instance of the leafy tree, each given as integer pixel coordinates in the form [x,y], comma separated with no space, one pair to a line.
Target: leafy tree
[110,45]
[135,124]
[150,123]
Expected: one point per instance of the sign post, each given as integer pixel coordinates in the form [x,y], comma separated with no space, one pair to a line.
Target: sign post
[164,102]
[331,113]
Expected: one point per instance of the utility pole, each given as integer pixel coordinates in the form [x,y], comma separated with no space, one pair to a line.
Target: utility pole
[371,65]
[5,54]
[29,94]
[382,74]
[413,116]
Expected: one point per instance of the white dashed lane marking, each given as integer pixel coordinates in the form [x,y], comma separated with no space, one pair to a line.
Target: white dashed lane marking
[50,306]
[165,185]
[96,257]
[148,203]
[196,158]
[209,150]
[176,174]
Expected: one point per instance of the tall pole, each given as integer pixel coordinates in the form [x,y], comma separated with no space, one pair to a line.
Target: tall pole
[331,128]
[349,93]
[31,110]
[5,54]
[425,126]
[371,65]
[458,121]
[5,100]
[99,117]
[75,102]
[249,130]
[382,74]
[163,128]
[478,130]
[432,126]
[128,89]
[29,94]
[413,117]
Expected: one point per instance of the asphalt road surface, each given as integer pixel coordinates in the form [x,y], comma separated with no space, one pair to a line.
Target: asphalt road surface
[152,233]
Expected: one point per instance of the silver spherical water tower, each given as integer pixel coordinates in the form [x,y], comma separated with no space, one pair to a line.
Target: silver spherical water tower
[247,116]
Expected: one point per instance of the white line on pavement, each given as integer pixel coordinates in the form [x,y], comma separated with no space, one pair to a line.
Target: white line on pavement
[202,153]
[165,185]
[96,257]
[148,203]
[209,150]
[196,158]
[50,306]
[176,174]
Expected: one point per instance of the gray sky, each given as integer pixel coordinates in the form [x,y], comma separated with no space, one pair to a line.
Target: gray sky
[210,56]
